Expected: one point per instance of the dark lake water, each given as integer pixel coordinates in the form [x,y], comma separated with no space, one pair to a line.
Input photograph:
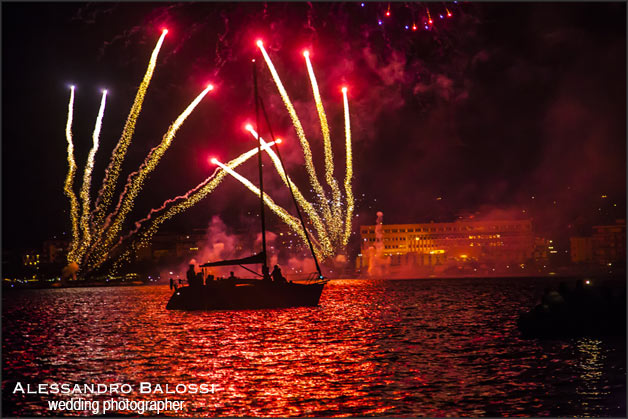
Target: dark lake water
[441,347]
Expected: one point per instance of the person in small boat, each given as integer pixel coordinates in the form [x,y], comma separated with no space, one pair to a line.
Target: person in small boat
[551,302]
[552,298]
[171,283]
[199,279]
[266,274]
[232,277]
[190,274]
[277,276]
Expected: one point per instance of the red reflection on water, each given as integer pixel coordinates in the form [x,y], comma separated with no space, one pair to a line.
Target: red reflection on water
[393,348]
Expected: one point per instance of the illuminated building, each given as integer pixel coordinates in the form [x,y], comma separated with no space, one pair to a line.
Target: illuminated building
[542,249]
[488,243]
[31,261]
[606,246]
[581,249]
[609,243]
[168,247]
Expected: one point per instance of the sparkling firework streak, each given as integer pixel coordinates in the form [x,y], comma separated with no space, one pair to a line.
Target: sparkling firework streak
[87,179]
[336,221]
[349,170]
[112,173]
[136,179]
[69,180]
[307,207]
[291,221]
[307,153]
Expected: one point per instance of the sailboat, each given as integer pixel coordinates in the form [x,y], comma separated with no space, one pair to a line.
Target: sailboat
[252,293]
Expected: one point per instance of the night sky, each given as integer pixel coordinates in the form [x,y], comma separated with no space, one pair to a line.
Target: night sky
[500,103]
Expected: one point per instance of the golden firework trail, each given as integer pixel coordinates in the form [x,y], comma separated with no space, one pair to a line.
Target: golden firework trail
[305,145]
[349,170]
[136,179]
[291,221]
[336,221]
[87,179]
[69,181]
[112,173]
[326,246]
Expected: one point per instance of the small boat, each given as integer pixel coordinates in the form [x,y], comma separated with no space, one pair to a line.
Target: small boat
[262,292]
[585,312]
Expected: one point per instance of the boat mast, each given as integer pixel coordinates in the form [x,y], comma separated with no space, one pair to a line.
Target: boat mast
[307,236]
[259,161]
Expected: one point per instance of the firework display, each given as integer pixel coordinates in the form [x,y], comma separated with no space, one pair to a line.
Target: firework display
[314,209]
[94,243]
[101,241]
[337,228]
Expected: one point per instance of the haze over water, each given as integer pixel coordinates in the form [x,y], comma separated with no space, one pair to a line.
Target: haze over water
[382,348]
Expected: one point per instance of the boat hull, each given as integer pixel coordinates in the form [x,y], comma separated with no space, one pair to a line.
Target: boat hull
[243,296]
[574,322]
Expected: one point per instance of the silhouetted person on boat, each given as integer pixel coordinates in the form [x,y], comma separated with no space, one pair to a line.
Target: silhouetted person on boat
[232,277]
[198,280]
[564,291]
[171,283]
[277,277]
[552,298]
[266,274]
[190,274]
